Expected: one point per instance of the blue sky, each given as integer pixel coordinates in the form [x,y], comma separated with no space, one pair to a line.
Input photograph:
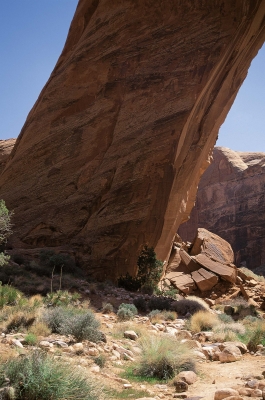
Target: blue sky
[32,35]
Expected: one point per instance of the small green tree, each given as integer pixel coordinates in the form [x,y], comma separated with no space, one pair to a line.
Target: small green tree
[148,275]
[5,229]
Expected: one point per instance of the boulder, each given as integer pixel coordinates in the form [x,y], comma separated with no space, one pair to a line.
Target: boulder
[230,353]
[182,281]
[187,376]
[221,394]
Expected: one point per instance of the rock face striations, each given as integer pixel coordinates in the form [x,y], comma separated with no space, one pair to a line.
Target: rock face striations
[231,203]
[112,151]
[6,147]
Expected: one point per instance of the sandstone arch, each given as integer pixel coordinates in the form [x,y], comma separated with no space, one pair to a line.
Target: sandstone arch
[112,151]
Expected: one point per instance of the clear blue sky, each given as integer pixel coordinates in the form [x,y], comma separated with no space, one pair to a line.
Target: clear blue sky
[32,35]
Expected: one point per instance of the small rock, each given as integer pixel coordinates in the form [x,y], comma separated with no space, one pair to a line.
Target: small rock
[221,394]
[180,395]
[131,335]
[187,376]
[17,343]
[180,386]
[45,344]
[95,369]
[253,384]
[256,393]
[78,347]
[127,385]
[92,351]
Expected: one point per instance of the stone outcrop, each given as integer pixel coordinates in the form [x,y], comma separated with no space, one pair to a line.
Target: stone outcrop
[231,203]
[201,265]
[6,147]
[111,153]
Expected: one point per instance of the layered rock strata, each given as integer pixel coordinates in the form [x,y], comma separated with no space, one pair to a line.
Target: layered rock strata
[111,153]
[231,203]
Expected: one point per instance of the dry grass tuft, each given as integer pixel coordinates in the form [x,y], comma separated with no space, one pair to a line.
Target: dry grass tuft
[203,321]
[119,329]
[39,328]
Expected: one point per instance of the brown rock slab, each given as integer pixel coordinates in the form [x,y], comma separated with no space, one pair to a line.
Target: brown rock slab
[225,271]
[204,279]
[221,394]
[230,353]
[188,261]
[182,281]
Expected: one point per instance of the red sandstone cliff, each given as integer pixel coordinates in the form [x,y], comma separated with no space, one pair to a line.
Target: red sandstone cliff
[111,153]
[6,147]
[231,203]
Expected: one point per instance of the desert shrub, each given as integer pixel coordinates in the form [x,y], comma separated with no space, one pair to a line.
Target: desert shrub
[149,272]
[100,360]
[200,301]
[140,304]
[40,376]
[107,308]
[256,337]
[30,339]
[153,314]
[19,320]
[119,329]
[203,321]
[228,331]
[10,296]
[40,328]
[126,312]
[35,301]
[159,303]
[251,274]
[163,357]
[61,298]
[82,324]
[186,306]
[225,318]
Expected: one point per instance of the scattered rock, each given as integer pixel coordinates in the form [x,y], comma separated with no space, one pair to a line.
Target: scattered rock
[221,394]
[230,353]
[180,385]
[187,376]
[130,335]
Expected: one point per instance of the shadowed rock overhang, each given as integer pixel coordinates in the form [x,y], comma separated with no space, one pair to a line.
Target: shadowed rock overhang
[111,153]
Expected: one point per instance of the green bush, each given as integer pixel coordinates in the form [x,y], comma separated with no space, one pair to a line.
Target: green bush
[82,324]
[225,318]
[61,298]
[126,312]
[100,360]
[38,376]
[107,308]
[163,357]
[9,295]
[30,339]
[148,275]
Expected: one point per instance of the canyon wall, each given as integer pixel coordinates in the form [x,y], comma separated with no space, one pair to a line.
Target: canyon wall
[231,203]
[112,151]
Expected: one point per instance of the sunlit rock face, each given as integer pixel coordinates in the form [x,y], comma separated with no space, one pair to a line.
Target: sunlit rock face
[231,203]
[111,153]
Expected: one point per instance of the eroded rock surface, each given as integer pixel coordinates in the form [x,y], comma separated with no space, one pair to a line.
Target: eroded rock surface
[231,203]
[111,153]
[6,147]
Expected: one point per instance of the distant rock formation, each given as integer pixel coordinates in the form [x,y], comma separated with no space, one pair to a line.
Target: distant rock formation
[231,203]
[6,147]
[111,153]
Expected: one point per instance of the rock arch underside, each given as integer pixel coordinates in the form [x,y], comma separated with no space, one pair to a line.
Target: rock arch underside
[112,151]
